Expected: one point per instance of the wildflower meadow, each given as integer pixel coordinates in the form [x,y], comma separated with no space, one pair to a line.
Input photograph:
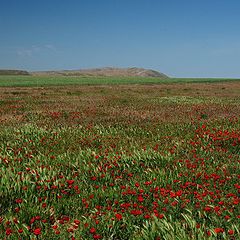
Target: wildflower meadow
[123,161]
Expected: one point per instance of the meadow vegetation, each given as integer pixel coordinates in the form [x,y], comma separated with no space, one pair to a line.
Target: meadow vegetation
[119,161]
[58,80]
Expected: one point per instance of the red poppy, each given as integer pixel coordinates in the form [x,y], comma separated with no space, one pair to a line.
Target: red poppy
[147,216]
[207,209]
[44,205]
[17,209]
[140,199]
[118,216]
[32,220]
[209,233]
[70,182]
[37,231]
[92,230]
[70,230]
[137,184]
[161,216]
[218,230]
[19,200]
[198,225]
[8,231]
[76,221]
[136,212]
[227,217]
[97,236]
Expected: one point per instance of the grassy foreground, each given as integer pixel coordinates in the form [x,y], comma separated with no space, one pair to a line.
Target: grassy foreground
[120,162]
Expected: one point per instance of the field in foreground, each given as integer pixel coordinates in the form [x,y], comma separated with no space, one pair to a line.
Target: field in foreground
[120,162]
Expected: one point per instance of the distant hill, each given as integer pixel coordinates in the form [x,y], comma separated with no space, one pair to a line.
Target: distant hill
[13,72]
[108,71]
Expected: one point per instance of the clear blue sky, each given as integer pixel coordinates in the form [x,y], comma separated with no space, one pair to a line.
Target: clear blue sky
[182,38]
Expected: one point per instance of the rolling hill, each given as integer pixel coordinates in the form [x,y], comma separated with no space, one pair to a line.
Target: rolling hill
[13,72]
[108,72]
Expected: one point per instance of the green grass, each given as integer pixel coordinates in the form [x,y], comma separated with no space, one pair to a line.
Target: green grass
[35,81]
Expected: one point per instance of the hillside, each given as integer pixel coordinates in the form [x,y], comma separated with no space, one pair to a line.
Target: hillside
[108,71]
[13,72]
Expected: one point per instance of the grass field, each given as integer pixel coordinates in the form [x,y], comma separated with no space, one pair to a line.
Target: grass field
[129,161]
[34,81]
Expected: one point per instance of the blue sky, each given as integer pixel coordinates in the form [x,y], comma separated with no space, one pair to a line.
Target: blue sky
[182,38]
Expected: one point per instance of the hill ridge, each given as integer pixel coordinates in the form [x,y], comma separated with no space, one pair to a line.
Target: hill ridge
[13,72]
[106,71]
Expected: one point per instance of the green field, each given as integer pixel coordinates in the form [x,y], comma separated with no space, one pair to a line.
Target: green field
[11,81]
[87,160]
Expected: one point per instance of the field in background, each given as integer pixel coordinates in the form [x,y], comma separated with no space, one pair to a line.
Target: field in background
[33,81]
[141,161]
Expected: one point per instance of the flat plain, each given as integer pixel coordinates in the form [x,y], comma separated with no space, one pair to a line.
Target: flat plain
[122,158]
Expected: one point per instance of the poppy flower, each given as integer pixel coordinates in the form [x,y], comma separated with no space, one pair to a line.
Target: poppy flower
[76,221]
[19,200]
[8,231]
[140,199]
[70,182]
[92,230]
[218,230]
[118,216]
[97,236]
[37,231]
